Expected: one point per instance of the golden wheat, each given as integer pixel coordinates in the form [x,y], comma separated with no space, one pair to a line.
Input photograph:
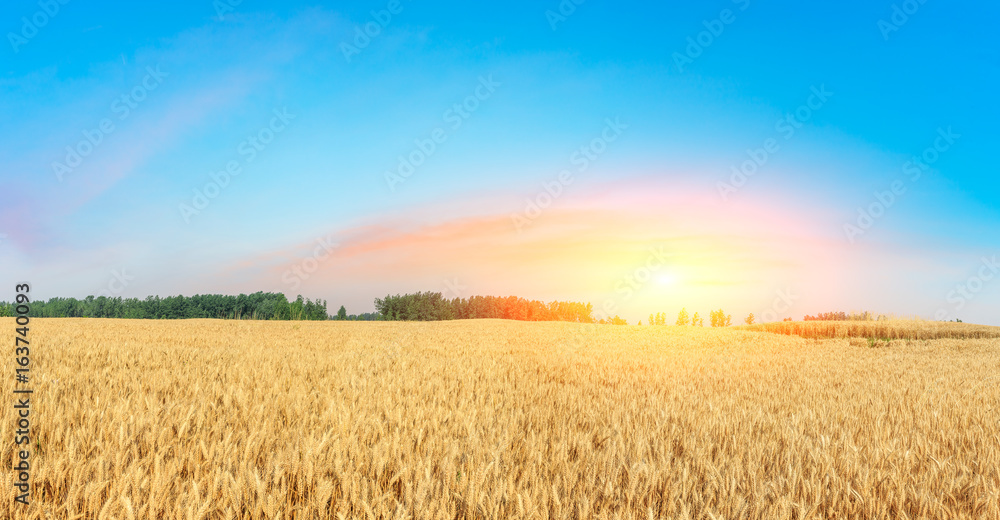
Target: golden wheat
[496,419]
[911,329]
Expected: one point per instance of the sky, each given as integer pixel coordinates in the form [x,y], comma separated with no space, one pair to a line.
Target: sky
[761,157]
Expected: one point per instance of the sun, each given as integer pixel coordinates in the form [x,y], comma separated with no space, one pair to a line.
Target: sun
[666,279]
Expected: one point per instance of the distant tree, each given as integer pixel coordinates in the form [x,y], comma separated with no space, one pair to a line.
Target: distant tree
[652,320]
[697,320]
[640,323]
[617,320]
[661,318]
[721,319]
[749,319]
[342,313]
[682,317]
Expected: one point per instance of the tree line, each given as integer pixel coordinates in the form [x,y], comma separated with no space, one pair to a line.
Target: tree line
[843,316]
[431,306]
[420,306]
[256,306]
[364,316]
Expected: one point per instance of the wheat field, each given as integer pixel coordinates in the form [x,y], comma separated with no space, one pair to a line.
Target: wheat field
[497,419]
[882,330]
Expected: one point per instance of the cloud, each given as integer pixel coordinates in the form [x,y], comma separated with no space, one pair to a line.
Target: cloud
[582,249]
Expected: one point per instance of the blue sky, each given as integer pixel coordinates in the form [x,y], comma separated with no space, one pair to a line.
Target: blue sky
[210,86]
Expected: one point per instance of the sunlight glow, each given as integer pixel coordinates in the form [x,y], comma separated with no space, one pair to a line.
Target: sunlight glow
[666,279]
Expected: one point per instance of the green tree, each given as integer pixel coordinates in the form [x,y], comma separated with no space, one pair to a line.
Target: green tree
[342,313]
